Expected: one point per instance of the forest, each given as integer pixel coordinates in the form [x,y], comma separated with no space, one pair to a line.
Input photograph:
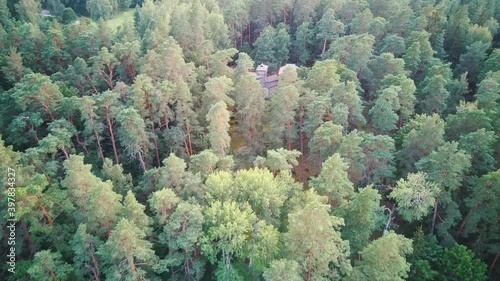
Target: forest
[267,140]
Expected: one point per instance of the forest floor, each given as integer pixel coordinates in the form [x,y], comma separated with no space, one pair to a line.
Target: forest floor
[120,18]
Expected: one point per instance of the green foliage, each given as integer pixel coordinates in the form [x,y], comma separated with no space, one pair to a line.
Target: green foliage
[182,234]
[126,243]
[414,196]
[265,47]
[479,145]
[280,115]
[458,262]
[99,9]
[384,259]
[325,141]
[378,158]
[162,203]
[418,138]
[283,270]
[320,151]
[49,266]
[425,257]
[353,51]
[468,119]
[218,129]
[278,160]
[323,76]
[384,110]
[283,42]
[446,165]
[482,208]
[362,216]
[68,16]
[134,212]
[85,246]
[333,180]
[302,42]
[227,224]
[329,28]
[313,241]
[132,134]
[28,10]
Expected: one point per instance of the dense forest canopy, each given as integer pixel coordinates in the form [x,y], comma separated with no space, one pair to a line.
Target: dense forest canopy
[275,140]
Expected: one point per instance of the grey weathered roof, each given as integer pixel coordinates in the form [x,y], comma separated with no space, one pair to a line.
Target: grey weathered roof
[261,68]
[45,13]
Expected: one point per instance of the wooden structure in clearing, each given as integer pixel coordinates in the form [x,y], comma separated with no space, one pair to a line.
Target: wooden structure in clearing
[269,81]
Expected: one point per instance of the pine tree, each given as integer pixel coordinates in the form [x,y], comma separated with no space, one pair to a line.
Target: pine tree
[323,76]
[132,134]
[472,61]
[218,119]
[418,138]
[325,141]
[379,157]
[458,262]
[384,259]
[467,119]
[313,240]
[99,9]
[93,128]
[333,180]
[491,64]
[185,114]
[480,221]
[280,116]
[351,151]
[36,92]
[362,215]
[109,105]
[265,46]
[85,247]
[14,69]
[28,10]
[347,94]
[329,28]
[226,226]
[414,196]
[384,110]
[447,167]
[302,43]
[217,89]
[133,211]
[379,67]
[249,112]
[49,266]
[406,95]
[163,202]
[283,270]
[126,252]
[182,234]
[104,206]
[278,160]
[352,50]
[480,146]
[79,181]
[282,43]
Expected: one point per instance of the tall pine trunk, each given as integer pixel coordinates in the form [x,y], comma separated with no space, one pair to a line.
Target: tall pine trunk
[434,215]
[141,160]
[101,153]
[301,137]
[112,135]
[493,264]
